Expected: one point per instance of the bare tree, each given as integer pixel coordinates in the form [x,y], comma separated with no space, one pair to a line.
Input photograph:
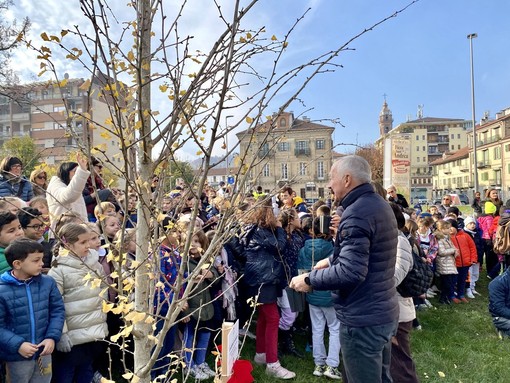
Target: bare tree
[150,56]
[10,37]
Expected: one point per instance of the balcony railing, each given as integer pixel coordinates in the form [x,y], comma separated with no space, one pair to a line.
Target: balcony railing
[482,164]
[489,140]
[302,152]
[464,168]
[264,153]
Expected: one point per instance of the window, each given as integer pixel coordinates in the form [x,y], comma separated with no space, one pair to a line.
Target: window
[453,147]
[302,168]
[319,144]
[458,146]
[321,192]
[301,145]
[265,171]
[507,148]
[423,137]
[417,148]
[424,159]
[497,153]
[283,122]
[285,172]
[59,108]
[417,138]
[485,176]
[423,148]
[283,147]
[418,159]
[320,170]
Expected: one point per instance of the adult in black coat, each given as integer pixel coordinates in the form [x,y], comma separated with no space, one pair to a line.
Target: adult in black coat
[360,273]
[399,199]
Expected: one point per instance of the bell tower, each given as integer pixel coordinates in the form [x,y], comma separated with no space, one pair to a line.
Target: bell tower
[385,119]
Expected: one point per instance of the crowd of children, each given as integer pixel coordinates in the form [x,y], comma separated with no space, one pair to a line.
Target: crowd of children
[63,260]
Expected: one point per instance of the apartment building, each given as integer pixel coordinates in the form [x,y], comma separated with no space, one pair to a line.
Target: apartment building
[49,114]
[455,173]
[428,139]
[288,151]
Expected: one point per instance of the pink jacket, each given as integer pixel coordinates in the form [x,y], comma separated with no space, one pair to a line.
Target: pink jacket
[485,222]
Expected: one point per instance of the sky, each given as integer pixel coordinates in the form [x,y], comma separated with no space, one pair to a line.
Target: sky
[420,57]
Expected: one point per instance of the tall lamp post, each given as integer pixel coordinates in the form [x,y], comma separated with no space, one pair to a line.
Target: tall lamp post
[472,36]
[227,168]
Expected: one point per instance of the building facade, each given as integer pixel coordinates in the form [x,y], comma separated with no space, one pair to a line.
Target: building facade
[50,115]
[455,173]
[429,138]
[288,151]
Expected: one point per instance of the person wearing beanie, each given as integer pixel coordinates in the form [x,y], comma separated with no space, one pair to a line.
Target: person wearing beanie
[471,228]
[467,256]
[12,181]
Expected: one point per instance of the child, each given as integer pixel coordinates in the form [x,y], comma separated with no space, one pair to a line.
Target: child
[85,321]
[10,229]
[169,263]
[322,312]
[104,209]
[445,261]
[196,331]
[475,233]
[484,223]
[25,290]
[33,226]
[467,257]
[292,225]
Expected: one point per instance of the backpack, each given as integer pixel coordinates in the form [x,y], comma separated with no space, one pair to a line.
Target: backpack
[501,243]
[417,280]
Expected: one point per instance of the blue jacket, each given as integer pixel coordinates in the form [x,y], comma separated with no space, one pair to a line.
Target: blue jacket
[7,189]
[263,251]
[499,295]
[29,312]
[314,251]
[363,264]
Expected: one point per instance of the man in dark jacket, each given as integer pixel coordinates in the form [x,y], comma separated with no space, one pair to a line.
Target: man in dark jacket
[399,199]
[499,303]
[360,273]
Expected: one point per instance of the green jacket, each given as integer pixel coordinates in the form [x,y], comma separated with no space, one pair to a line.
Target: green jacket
[4,266]
[200,299]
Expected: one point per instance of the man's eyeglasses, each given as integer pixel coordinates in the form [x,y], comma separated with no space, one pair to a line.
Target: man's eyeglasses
[35,227]
[446,199]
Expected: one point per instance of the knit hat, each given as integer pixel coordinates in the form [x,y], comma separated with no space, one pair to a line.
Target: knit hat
[490,208]
[469,220]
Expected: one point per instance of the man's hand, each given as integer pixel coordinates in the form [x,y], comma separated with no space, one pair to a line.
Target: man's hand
[27,349]
[298,284]
[322,264]
[49,346]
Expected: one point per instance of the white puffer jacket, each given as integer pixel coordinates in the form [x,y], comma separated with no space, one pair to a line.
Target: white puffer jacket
[63,198]
[403,265]
[85,320]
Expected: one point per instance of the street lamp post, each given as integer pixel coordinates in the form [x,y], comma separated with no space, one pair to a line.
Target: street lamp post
[471,36]
[227,168]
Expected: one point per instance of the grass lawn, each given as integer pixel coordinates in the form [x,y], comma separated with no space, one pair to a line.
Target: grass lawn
[457,344]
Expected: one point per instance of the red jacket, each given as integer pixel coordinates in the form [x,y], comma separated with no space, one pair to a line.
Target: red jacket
[494,227]
[467,249]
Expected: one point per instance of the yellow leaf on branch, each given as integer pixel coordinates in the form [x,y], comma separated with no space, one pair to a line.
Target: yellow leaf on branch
[45,37]
[249,120]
